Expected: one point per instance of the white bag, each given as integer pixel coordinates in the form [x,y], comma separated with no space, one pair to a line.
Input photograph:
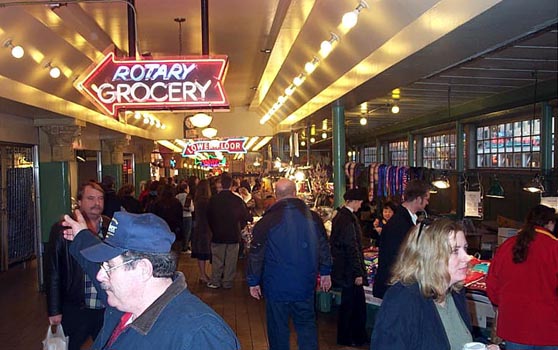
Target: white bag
[56,341]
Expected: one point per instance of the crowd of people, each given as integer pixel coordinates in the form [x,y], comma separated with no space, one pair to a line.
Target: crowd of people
[137,299]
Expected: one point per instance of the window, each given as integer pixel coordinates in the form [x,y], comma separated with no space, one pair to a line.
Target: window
[509,145]
[370,155]
[398,153]
[439,152]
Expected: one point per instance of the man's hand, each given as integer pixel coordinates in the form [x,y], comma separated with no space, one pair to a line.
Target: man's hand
[256,292]
[325,283]
[73,227]
[358,281]
[55,320]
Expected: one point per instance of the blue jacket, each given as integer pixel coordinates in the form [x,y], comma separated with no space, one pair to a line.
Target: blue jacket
[289,248]
[176,320]
[409,321]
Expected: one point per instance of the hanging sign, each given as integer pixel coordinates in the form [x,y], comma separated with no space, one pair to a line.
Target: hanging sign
[226,145]
[175,84]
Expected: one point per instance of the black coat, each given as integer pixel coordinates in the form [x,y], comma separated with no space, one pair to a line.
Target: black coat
[346,249]
[227,215]
[64,278]
[393,235]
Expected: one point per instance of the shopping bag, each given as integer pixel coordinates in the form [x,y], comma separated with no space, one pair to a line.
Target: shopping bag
[56,341]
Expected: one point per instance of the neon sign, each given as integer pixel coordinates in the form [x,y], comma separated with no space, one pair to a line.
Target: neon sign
[227,145]
[185,84]
[212,162]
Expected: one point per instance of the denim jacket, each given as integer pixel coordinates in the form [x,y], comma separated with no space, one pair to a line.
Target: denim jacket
[176,320]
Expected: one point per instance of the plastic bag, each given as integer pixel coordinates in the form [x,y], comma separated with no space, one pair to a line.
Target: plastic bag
[56,341]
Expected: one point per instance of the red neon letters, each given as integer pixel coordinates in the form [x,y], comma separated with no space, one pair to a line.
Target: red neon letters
[192,84]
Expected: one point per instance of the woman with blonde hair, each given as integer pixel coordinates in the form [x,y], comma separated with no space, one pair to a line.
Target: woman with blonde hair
[426,308]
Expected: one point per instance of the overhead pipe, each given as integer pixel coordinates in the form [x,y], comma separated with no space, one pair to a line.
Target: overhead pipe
[131,28]
[205,27]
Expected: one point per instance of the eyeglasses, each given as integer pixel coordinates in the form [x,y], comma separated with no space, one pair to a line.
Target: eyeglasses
[109,269]
[423,223]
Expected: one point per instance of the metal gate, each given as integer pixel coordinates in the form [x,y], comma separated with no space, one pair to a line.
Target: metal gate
[17,205]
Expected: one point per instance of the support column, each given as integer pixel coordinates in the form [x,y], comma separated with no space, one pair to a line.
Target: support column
[339,183]
[460,167]
[142,154]
[546,147]
[412,161]
[113,158]
[57,172]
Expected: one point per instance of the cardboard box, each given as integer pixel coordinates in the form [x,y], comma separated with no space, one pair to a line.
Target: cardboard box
[505,233]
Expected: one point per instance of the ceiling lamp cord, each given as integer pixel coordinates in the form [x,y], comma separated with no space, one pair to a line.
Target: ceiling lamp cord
[179,20]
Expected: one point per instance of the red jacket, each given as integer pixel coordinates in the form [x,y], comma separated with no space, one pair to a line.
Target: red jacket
[526,293]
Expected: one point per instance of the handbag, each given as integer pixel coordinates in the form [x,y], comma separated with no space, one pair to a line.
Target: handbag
[56,341]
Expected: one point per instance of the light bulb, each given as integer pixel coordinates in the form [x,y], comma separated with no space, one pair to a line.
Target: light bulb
[395,109]
[350,19]
[324,135]
[363,121]
[54,72]
[17,51]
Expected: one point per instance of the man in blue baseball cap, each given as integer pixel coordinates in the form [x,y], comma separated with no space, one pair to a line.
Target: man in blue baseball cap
[149,304]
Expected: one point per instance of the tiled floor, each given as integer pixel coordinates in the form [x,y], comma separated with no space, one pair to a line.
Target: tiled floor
[23,319]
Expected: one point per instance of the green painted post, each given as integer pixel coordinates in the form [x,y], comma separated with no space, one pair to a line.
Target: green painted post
[339,183]
[55,194]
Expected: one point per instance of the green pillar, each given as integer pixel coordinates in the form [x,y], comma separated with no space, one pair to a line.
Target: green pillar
[55,194]
[339,184]
[460,167]
[411,150]
[546,138]
[114,170]
[143,173]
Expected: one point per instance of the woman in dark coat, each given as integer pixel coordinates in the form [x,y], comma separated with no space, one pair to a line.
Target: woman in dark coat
[168,208]
[201,235]
[349,272]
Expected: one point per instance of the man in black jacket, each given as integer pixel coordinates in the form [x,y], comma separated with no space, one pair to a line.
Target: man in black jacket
[71,298]
[416,195]
[227,215]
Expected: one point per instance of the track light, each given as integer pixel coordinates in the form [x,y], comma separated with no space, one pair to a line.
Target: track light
[17,51]
[363,121]
[327,45]
[441,182]
[534,185]
[350,19]
[299,79]
[310,66]
[53,71]
[290,90]
[496,190]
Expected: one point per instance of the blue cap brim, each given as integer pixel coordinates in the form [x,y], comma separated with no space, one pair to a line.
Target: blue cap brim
[101,252]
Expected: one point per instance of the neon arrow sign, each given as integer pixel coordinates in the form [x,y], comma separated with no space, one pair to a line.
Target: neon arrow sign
[185,84]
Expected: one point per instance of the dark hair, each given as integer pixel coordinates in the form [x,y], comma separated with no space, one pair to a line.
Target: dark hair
[539,215]
[203,190]
[226,180]
[183,187]
[126,190]
[390,204]
[415,189]
[164,264]
[93,184]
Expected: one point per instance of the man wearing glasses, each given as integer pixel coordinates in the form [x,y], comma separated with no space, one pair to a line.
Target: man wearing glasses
[416,196]
[149,306]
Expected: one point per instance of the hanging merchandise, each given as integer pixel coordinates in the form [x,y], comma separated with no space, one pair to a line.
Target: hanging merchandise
[473,204]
